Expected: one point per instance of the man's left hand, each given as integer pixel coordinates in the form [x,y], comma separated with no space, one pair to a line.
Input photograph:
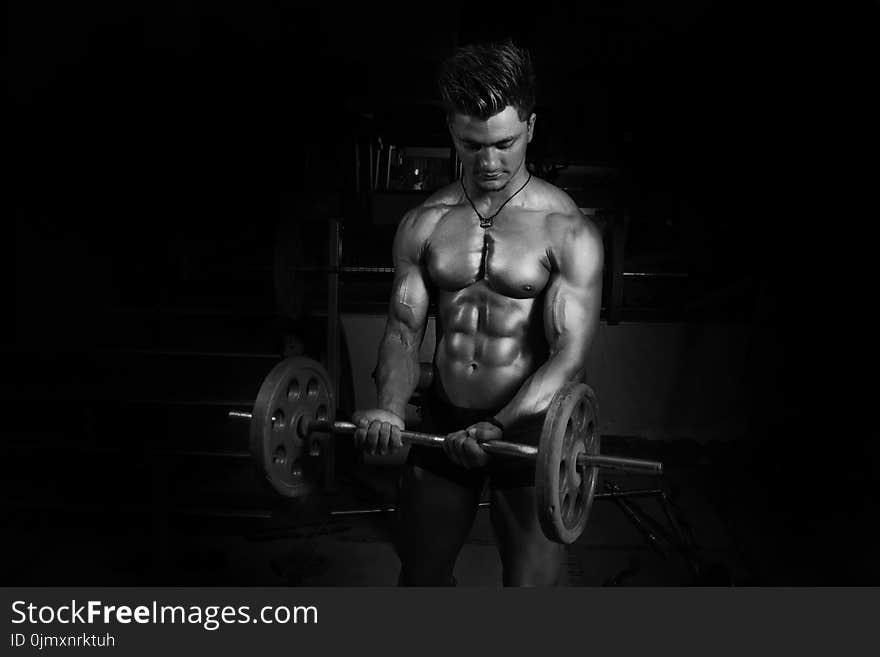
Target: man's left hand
[462,447]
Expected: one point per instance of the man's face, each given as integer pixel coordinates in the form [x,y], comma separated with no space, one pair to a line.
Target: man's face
[492,151]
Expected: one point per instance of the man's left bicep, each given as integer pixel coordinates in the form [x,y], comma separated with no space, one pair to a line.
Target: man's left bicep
[574,300]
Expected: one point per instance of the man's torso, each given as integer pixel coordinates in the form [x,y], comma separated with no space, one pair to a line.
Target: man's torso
[490,285]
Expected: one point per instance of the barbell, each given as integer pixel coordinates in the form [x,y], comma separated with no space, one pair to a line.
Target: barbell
[295,405]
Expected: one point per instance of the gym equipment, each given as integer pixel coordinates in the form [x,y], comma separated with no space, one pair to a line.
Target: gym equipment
[295,407]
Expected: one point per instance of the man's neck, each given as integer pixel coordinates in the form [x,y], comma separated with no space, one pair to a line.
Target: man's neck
[492,198]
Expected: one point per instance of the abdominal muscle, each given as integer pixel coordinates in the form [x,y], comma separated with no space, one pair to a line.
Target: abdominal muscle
[489,345]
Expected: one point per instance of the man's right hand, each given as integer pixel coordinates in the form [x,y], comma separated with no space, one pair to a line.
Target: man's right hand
[378,431]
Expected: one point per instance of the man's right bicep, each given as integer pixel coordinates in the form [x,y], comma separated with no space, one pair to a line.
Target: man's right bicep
[408,307]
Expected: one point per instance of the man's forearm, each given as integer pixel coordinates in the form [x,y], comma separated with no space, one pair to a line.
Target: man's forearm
[536,393]
[397,373]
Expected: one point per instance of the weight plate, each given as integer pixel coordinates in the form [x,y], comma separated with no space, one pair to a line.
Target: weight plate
[295,391]
[564,489]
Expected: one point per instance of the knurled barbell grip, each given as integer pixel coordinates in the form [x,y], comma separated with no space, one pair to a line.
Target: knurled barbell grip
[503,448]
[499,447]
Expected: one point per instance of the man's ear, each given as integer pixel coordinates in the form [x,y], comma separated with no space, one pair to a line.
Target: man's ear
[531,126]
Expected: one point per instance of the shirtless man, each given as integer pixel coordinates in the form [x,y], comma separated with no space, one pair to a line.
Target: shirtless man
[516,271]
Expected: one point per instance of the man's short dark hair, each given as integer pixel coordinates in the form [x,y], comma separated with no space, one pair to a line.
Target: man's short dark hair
[482,79]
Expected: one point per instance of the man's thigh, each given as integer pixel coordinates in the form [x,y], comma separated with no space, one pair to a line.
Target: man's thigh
[436,512]
[528,557]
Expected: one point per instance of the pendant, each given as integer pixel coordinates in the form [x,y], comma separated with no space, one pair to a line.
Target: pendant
[485,223]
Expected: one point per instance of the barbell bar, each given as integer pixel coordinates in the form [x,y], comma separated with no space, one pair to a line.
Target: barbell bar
[499,447]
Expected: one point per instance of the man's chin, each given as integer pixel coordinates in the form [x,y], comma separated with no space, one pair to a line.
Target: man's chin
[492,184]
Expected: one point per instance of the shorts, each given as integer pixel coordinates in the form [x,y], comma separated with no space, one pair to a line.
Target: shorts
[441,417]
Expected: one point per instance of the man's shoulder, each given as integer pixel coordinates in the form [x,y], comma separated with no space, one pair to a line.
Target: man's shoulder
[551,199]
[562,214]
[429,212]
[441,201]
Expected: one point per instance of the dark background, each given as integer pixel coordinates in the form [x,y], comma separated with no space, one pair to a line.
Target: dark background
[155,147]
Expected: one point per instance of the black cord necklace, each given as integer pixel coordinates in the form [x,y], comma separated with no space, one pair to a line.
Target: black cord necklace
[486,222]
